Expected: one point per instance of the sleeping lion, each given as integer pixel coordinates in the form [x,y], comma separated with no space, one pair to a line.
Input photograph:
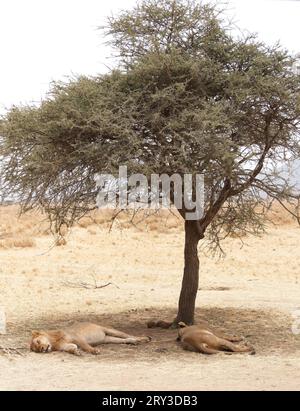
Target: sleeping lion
[202,339]
[82,335]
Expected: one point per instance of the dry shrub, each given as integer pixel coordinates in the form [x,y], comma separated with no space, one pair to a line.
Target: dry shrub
[125,225]
[237,234]
[174,224]
[164,222]
[60,242]
[91,231]
[154,226]
[279,216]
[17,242]
[21,231]
[85,222]
[11,223]
[96,217]
[144,220]
[34,224]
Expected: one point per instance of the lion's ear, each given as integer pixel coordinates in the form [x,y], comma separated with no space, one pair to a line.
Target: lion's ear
[182,324]
[35,333]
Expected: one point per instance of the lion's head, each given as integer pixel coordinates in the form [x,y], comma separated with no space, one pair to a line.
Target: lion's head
[181,326]
[40,342]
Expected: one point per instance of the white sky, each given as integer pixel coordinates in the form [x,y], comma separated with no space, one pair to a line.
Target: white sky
[44,40]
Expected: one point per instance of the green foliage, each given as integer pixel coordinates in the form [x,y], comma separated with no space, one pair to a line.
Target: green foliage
[188,97]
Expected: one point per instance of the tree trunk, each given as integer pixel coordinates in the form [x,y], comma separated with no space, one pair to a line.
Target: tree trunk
[189,288]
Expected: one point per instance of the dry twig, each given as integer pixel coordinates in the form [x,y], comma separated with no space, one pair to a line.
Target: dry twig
[12,350]
[88,286]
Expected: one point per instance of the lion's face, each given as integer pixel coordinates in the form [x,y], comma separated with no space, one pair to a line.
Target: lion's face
[40,342]
[181,329]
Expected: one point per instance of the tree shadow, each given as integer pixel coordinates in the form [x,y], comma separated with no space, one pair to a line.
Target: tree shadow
[268,331]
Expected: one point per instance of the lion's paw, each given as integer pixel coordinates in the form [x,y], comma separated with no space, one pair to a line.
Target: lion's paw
[77,352]
[140,340]
[96,351]
[134,342]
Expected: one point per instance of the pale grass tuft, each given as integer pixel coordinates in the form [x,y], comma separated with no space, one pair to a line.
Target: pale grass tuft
[278,215]
[16,231]
[17,242]
[60,242]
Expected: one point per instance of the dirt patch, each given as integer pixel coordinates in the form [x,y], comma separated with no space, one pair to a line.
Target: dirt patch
[254,291]
[269,331]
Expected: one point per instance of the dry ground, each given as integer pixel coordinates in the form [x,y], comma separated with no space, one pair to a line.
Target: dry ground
[252,291]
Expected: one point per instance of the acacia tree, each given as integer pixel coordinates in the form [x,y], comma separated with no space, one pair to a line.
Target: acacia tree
[188,96]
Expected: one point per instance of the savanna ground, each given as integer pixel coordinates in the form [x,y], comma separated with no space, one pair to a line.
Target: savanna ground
[252,291]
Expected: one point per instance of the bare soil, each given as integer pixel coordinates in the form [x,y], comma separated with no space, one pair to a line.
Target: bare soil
[253,291]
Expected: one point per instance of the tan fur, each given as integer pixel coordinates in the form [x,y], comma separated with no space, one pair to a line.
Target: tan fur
[82,335]
[202,339]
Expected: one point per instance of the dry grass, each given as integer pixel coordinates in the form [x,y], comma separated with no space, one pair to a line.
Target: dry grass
[144,220]
[279,216]
[18,242]
[253,290]
[21,231]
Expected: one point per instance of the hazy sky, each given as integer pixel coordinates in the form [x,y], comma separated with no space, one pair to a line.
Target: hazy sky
[43,40]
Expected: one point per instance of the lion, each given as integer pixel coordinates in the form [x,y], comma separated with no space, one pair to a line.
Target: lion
[82,335]
[199,338]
